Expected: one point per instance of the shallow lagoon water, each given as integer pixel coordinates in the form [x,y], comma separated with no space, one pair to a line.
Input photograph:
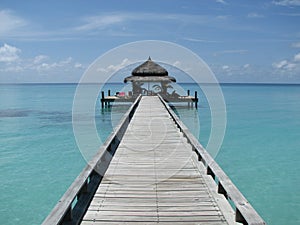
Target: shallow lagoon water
[40,158]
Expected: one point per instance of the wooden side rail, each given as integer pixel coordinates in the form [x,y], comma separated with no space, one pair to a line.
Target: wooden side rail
[244,212]
[71,207]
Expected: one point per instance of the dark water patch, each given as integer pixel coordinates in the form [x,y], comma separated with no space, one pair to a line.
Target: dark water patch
[7,113]
[55,116]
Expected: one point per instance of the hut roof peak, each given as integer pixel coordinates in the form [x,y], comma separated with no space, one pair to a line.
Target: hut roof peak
[149,68]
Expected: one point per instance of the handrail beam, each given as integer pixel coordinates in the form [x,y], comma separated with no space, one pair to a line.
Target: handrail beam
[245,213]
[84,186]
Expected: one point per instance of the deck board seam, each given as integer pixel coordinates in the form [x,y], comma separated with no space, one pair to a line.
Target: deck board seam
[159,177]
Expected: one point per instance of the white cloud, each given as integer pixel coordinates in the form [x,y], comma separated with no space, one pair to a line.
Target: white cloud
[288,65]
[44,67]
[225,67]
[17,27]
[285,66]
[222,17]
[78,66]
[41,68]
[66,61]
[114,23]
[14,69]
[237,51]
[177,63]
[255,15]
[9,56]
[115,68]
[296,45]
[40,58]
[291,66]
[101,22]
[287,2]
[246,66]
[231,70]
[297,58]
[221,1]
[121,20]
[9,53]
[289,14]
[280,64]
[200,40]
[64,64]
[9,22]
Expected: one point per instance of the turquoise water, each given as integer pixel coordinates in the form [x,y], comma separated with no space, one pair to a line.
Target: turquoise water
[39,157]
[260,152]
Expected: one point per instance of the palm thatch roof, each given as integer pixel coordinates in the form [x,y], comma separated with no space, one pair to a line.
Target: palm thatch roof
[149,71]
[149,79]
[149,68]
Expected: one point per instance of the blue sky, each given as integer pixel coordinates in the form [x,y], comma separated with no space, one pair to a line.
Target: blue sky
[241,41]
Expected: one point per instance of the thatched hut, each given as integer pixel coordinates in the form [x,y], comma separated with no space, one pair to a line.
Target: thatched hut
[149,72]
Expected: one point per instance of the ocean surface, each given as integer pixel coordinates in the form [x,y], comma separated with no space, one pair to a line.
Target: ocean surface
[39,157]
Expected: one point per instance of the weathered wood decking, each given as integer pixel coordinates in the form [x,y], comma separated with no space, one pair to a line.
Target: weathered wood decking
[152,178]
[192,101]
[159,174]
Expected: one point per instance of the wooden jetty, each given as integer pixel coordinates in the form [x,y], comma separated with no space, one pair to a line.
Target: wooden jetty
[156,79]
[152,170]
[107,101]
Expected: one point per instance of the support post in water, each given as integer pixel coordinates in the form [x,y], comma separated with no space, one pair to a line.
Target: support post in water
[188,94]
[196,99]
[102,99]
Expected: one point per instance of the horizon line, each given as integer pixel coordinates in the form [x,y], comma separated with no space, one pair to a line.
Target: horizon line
[76,83]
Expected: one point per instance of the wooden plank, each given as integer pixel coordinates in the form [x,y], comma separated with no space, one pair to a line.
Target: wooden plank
[149,219]
[99,215]
[64,208]
[188,208]
[245,213]
[152,178]
[150,223]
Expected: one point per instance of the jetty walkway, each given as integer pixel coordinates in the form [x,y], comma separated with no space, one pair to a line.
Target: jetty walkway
[152,170]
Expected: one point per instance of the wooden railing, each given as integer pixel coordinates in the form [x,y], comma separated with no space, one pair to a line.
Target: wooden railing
[74,203]
[244,212]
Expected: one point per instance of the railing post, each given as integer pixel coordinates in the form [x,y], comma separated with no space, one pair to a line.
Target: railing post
[68,215]
[221,190]
[83,189]
[239,217]
[210,172]
[102,99]
[199,157]
[196,99]
[244,212]
[72,205]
